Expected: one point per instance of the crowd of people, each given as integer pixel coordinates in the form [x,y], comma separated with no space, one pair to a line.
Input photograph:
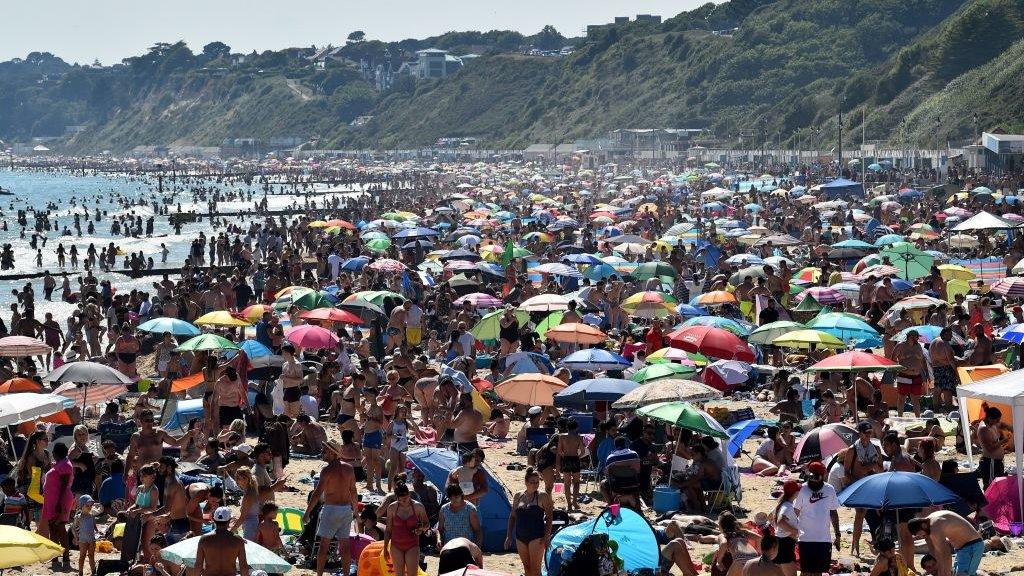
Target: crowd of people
[424,298]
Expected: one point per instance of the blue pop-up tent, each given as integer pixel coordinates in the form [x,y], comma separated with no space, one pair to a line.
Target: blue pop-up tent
[495,508]
[841,189]
[637,543]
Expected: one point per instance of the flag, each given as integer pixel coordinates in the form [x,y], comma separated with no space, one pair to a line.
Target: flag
[507,255]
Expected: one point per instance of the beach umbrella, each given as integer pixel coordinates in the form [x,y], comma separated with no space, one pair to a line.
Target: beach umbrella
[311,337]
[306,299]
[254,313]
[220,318]
[926,334]
[550,321]
[823,294]
[768,332]
[711,341]
[713,298]
[808,340]
[387,265]
[916,302]
[896,490]
[20,385]
[588,259]
[25,406]
[479,300]
[1012,287]
[489,327]
[374,296]
[684,415]
[545,303]
[744,260]
[91,394]
[600,272]
[364,309]
[256,556]
[854,361]
[558,269]
[741,329]
[649,305]
[649,270]
[85,371]
[254,349]
[575,333]
[18,346]
[843,325]
[595,390]
[963,241]
[595,359]
[355,264]
[532,389]
[689,310]
[740,431]
[666,390]
[379,244]
[912,262]
[173,325]
[669,354]
[331,315]
[20,547]
[206,342]
[663,370]
[418,232]
[724,374]
[824,442]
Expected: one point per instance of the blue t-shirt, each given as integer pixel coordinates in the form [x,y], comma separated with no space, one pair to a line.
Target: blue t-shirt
[263,333]
[112,489]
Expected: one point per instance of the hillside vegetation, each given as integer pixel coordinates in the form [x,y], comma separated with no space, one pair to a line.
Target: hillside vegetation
[779,67]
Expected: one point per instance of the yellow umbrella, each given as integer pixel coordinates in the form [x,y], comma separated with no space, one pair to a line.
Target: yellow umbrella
[956,272]
[20,548]
[318,224]
[808,340]
[220,318]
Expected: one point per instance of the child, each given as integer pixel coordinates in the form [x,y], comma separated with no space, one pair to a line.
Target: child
[84,529]
[15,502]
[268,532]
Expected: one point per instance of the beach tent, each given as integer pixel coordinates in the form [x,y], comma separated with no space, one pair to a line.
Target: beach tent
[1006,392]
[177,417]
[638,545]
[841,188]
[495,508]
[983,221]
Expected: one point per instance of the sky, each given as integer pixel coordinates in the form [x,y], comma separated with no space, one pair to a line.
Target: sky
[109,30]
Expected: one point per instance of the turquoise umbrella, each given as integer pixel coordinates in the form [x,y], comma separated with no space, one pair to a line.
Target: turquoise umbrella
[845,326]
[740,329]
[173,325]
[911,262]
[258,557]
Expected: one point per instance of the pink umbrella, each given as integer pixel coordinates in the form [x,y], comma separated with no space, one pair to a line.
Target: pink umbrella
[459,265]
[479,300]
[823,294]
[311,337]
[91,394]
[1003,503]
[17,346]
[387,265]
[823,442]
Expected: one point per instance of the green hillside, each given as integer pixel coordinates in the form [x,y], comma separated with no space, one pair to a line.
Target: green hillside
[779,66]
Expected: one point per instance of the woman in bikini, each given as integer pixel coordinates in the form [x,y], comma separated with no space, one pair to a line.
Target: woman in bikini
[373,441]
[352,454]
[127,349]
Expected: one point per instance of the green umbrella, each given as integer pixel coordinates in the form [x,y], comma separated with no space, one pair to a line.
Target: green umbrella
[379,244]
[309,300]
[206,342]
[684,415]
[808,304]
[765,334]
[911,262]
[374,235]
[663,370]
[553,319]
[649,270]
[488,327]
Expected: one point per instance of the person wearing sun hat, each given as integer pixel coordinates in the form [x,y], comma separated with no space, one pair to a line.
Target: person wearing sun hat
[337,491]
[817,506]
[219,551]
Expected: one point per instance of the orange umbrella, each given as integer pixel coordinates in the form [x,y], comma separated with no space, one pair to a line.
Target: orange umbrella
[255,312]
[530,389]
[27,428]
[576,333]
[341,224]
[20,385]
[716,297]
[190,381]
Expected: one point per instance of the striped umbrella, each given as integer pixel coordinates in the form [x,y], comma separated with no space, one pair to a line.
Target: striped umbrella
[91,394]
[17,346]
[1012,287]
[479,300]
[823,442]
[387,265]
[649,305]
[823,294]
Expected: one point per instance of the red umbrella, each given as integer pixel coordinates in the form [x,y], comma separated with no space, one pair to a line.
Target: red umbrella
[854,361]
[711,341]
[311,337]
[331,315]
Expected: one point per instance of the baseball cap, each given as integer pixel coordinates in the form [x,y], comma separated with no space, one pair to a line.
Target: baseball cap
[84,500]
[790,487]
[817,469]
[244,448]
[222,514]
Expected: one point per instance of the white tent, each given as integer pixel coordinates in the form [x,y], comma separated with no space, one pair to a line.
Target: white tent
[1007,392]
[984,221]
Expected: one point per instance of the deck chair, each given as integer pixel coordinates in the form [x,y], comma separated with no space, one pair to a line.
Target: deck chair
[729,492]
[119,434]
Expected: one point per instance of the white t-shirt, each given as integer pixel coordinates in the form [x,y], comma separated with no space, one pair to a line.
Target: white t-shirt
[787,513]
[466,343]
[310,406]
[815,509]
[414,316]
[334,261]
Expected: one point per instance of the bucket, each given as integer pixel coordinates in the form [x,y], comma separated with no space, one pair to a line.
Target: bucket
[666,499]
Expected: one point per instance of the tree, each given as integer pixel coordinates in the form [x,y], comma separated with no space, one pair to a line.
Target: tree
[215,50]
[549,39]
[357,36]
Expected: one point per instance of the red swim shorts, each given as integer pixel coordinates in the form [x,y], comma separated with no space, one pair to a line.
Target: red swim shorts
[910,384]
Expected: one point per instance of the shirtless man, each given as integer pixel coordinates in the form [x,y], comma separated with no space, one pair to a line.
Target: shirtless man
[944,367]
[307,436]
[197,493]
[396,325]
[910,380]
[764,565]
[981,354]
[862,459]
[337,490]
[219,552]
[146,445]
[944,530]
[175,501]
[567,461]
[990,465]
[468,422]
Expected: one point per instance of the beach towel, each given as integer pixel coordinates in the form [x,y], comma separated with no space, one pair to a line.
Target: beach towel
[425,436]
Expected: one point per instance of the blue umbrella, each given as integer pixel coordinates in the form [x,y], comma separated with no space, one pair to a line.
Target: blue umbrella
[740,431]
[355,264]
[173,325]
[490,268]
[417,244]
[594,390]
[600,272]
[740,329]
[418,232]
[889,239]
[851,243]
[844,326]
[1014,333]
[895,490]
[595,359]
[690,310]
[582,259]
